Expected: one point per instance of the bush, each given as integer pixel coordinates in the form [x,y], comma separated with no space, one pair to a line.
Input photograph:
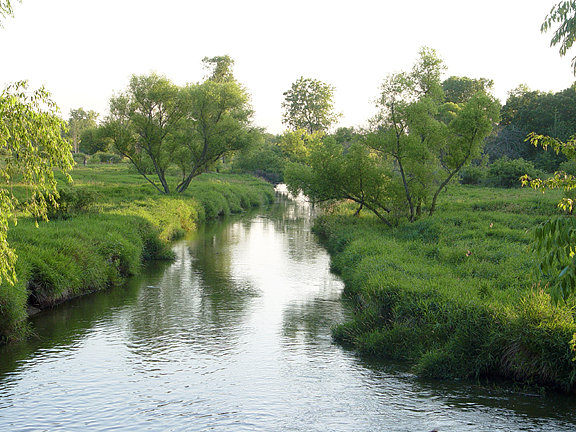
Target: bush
[103,157]
[507,172]
[80,158]
[71,200]
[569,167]
[473,175]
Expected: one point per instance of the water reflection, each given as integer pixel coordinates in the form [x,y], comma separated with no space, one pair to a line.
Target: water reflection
[235,335]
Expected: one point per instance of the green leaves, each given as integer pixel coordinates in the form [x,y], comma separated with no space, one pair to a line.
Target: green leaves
[429,137]
[555,246]
[308,105]
[31,148]
[329,171]
[564,15]
[158,125]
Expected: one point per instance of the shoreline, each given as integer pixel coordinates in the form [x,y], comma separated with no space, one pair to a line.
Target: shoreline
[100,247]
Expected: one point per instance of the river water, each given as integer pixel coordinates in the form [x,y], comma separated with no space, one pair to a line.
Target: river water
[234,335]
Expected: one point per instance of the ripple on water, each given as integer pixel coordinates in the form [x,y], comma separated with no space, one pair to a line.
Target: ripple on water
[235,336]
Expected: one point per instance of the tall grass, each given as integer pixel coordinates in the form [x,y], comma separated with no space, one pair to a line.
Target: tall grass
[455,295]
[109,222]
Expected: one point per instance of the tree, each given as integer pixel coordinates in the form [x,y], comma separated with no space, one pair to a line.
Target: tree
[459,90]
[263,158]
[218,123]
[31,148]
[141,121]
[78,122]
[406,129]
[158,125]
[428,137]
[93,140]
[219,68]
[472,123]
[563,15]
[308,105]
[334,173]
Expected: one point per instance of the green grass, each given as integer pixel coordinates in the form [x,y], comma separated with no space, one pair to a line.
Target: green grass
[109,222]
[455,295]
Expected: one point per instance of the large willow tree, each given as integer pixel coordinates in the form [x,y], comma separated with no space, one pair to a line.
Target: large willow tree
[158,125]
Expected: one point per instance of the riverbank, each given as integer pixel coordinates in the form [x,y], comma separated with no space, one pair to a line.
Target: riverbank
[108,223]
[455,295]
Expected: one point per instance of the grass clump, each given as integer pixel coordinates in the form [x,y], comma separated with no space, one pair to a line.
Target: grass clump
[455,295]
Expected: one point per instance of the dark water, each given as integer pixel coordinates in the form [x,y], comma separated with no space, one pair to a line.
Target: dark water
[232,336]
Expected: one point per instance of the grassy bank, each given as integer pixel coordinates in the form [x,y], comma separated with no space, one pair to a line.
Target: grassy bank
[109,222]
[455,295]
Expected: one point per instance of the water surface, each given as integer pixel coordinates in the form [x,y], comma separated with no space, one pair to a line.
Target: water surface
[234,335]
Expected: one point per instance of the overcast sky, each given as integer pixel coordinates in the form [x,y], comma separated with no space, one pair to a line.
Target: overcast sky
[84,50]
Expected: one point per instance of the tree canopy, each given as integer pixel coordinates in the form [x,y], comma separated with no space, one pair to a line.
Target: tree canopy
[416,144]
[309,105]
[78,122]
[158,125]
[459,90]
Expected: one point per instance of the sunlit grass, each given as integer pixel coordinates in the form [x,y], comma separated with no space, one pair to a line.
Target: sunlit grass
[109,222]
[456,294]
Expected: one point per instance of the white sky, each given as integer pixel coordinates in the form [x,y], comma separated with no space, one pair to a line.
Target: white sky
[83,51]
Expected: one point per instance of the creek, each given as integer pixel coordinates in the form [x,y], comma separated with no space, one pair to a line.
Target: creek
[234,335]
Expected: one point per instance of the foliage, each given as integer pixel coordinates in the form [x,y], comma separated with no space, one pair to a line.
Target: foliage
[79,122]
[217,124]
[140,121]
[219,68]
[554,240]
[31,148]
[70,201]
[94,139]
[508,172]
[104,157]
[406,129]
[158,125]
[428,139]
[562,15]
[262,158]
[295,145]
[568,167]
[473,174]
[308,105]
[472,123]
[544,113]
[5,10]
[459,90]
[332,173]
[80,158]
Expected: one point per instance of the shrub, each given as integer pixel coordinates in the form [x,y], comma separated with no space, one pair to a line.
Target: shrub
[103,157]
[71,200]
[473,175]
[569,167]
[80,158]
[507,172]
